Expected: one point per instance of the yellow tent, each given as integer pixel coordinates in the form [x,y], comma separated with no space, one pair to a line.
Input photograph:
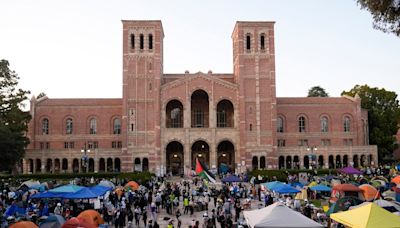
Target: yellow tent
[312,184]
[368,216]
[301,195]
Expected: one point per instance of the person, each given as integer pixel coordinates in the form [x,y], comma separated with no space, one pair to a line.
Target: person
[58,210]
[137,215]
[178,214]
[144,216]
[170,224]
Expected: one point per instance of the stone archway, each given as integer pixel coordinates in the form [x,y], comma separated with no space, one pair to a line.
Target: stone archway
[201,151]
[254,162]
[320,161]
[175,158]
[226,156]
[281,162]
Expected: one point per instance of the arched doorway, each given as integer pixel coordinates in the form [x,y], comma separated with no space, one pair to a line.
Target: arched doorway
[137,165]
[49,166]
[288,162]
[363,160]
[338,161]
[201,151]
[64,164]
[102,165]
[321,161]
[91,165]
[226,156]
[109,165]
[331,162]
[355,161]
[296,162]
[370,160]
[175,158]
[281,162]
[57,165]
[30,170]
[75,165]
[306,162]
[117,165]
[199,106]
[345,161]
[254,162]
[38,165]
[262,162]
[145,165]
[225,114]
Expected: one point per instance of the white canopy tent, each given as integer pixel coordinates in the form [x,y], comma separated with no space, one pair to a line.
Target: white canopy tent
[278,215]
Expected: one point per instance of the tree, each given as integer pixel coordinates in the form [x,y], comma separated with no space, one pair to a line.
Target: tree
[383,117]
[42,94]
[386,14]
[317,91]
[13,120]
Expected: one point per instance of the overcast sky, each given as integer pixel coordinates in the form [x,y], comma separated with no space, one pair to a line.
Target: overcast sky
[73,48]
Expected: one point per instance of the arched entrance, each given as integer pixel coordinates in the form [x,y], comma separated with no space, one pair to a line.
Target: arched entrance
[355,161]
[57,165]
[296,162]
[306,162]
[174,158]
[254,162]
[117,164]
[91,165]
[49,166]
[30,166]
[345,161]
[363,160]
[199,106]
[288,162]
[38,165]
[109,165]
[262,162]
[137,165]
[201,151]
[226,156]
[331,162]
[75,166]
[102,165]
[321,161]
[145,165]
[338,161]
[281,162]
[65,164]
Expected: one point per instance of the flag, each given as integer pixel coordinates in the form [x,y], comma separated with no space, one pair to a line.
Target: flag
[202,171]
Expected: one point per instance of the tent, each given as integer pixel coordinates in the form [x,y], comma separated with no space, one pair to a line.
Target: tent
[341,190]
[297,185]
[349,170]
[321,188]
[84,193]
[52,221]
[132,185]
[369,215]
[24,224]
[66,189]
[284,189]
[91,216]
[231,178]
[77,222]
[369,192]
[106,183]
[396,180]
[276,215]
[99,189]
[343,204]
[48,194]
[272,184]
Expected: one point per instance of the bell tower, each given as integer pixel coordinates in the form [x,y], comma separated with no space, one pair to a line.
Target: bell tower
[142,73]
[254,72]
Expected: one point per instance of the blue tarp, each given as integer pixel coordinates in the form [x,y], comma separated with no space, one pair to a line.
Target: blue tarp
[272,184]
[321,188]
[232,178]
[84,193]
[295,184]
[285,188]
[48,194]
[66,188]
[99,189]
[15,210]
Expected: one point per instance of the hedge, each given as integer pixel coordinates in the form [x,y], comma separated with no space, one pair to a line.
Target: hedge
[282,174]
[140,177]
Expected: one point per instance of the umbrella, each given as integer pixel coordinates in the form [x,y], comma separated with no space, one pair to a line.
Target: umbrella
[91,216]
[231,178]
[350,170]
[24,224]
[107,183]
[53,221]
[77,223]
[132,185]
[321,188]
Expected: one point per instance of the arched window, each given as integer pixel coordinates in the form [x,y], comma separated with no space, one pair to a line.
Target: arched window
[200,109]
[279,124]
[174,114]
[346,124]
[324,124]
[117,126]
[132,41]
[150,41]
[68,126]
[225,114]
[262,162]
[248,42]
[45,126]
[262,41]
[141,41]
[93,126]
[302,124]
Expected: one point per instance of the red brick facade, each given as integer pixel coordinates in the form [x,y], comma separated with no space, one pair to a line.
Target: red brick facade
[224,120]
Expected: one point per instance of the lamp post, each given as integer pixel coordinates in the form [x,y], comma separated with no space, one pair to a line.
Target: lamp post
[311,156]
[85,158]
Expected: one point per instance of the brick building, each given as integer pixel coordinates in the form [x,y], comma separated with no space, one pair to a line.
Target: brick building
[164,121]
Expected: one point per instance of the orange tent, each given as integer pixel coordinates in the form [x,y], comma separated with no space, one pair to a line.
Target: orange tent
[369,192]
[341,190]
[396,180]
[24,224]
[132,185]
[78,223]
[346,188]
[91,216]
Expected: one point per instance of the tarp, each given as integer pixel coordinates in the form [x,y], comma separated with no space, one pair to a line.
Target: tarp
[66,189]
[321,188]
[48,194]
[284,189]
[231,178]
[297,185]
[84,193]
[278,215]
[99,189]
[272,184]
[349,170]
[368,216]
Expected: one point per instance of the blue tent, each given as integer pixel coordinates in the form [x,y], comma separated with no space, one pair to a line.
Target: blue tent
[15,210]
[285,188]
[84,193]
[66,189]
[232,178]
[295,184]
[272,184]
[48,194]
[99,189]
[321,188]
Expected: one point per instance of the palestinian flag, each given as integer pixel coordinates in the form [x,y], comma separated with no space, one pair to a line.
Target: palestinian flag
[202,171]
